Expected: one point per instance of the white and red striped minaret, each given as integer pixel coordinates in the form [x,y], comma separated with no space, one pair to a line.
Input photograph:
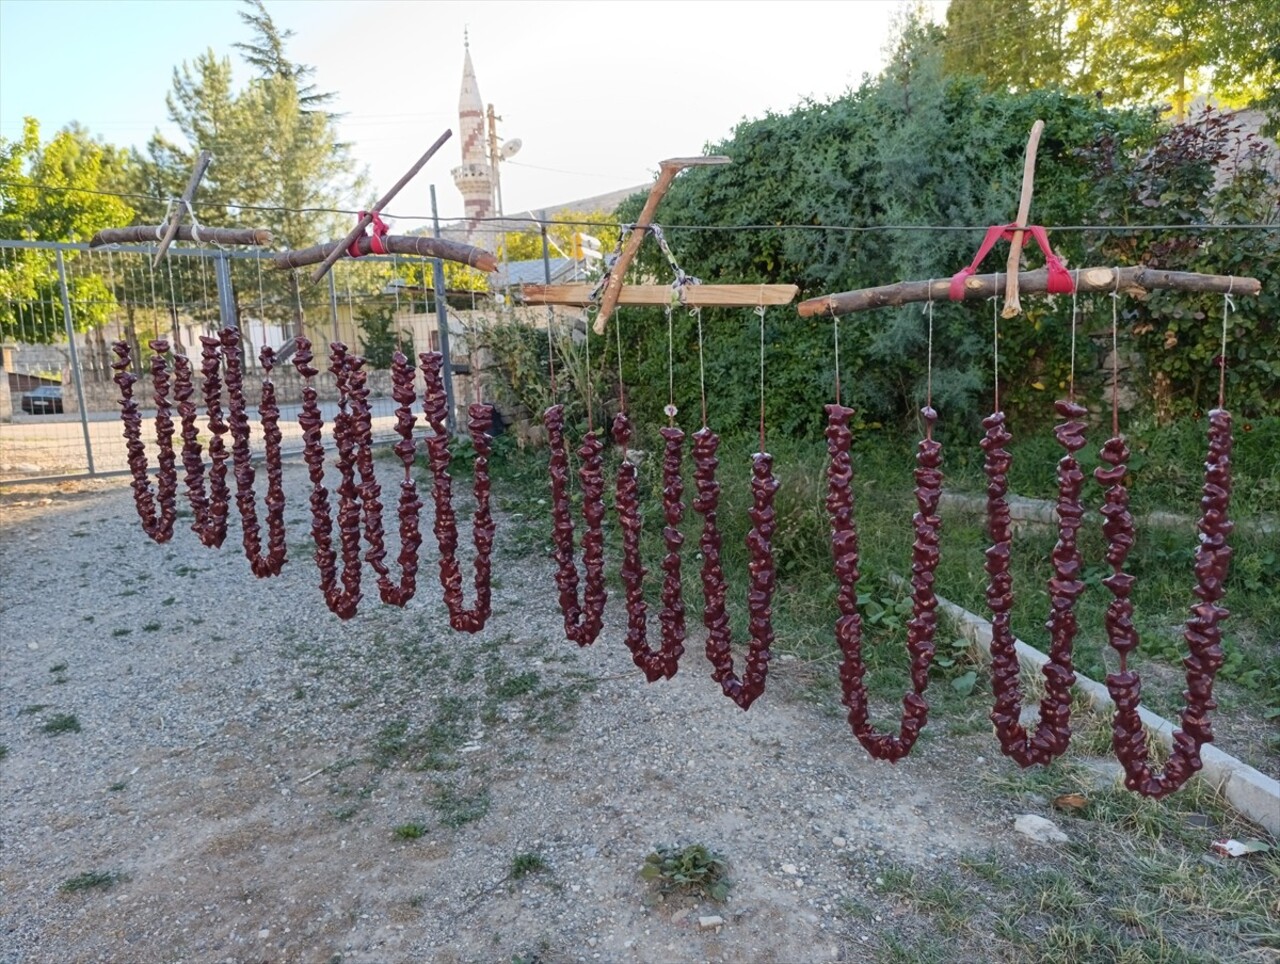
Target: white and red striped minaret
[473,176]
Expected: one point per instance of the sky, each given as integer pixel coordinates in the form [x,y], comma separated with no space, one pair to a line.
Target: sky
[597,92]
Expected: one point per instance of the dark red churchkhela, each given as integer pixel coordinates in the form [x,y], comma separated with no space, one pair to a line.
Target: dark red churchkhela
[341,600]
[661,663]
[1203,633]
[1053,731]
[269,412]
[479,421]
[743,691]
[924,561]
[582,620]
[210,511]
[157,512]
[408,507]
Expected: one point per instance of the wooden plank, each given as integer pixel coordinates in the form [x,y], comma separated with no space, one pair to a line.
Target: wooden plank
[667,171]
[1129,281]
[695,296]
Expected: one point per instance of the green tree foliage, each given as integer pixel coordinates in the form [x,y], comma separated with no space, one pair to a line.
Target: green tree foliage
[278,162]
[379,341]
[915,147]
[50,192]
[1123,51]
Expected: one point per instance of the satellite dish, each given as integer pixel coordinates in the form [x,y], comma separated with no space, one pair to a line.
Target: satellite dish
[510,148]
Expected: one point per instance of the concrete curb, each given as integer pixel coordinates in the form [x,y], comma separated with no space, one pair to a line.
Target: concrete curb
[1252,793]
[1041,512]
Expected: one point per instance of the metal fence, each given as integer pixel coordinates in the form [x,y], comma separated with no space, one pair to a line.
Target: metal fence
[63,305]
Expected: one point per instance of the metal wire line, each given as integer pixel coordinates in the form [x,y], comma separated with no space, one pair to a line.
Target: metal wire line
[728,228]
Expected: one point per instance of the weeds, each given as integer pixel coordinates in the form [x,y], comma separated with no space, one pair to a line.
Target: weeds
[522,865]
[410,831]
[693,869]
[92,880]
[61,723]
[457,809]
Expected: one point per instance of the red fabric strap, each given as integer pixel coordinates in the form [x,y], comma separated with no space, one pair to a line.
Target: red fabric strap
[1059,277]
[377,231]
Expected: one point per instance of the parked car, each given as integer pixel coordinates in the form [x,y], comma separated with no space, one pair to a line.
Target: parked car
[45,400]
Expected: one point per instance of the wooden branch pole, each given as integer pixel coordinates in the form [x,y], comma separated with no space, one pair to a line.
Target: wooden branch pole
[1130,281]
[395,244]
[143,233]
[1012,307]
[383,201]
[695,296]
[667,171]
[175,216]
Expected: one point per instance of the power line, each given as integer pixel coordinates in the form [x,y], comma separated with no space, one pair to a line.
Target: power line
[726,228]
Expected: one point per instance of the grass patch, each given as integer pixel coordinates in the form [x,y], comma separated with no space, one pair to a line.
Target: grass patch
[58,668]
[410,831]
[121,631]
[61,723]
[456,809]
[522,865]
[118,786]
[32,708]
[151,627]
[92,880]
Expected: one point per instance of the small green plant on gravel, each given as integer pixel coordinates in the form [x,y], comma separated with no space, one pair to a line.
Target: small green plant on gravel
[410,831]
[58,668]
[522,865]
[61,723]
[118,786]
[457,809]
[91,880]
[4,750]
[692,869]
[151,627]
[32,708]
[121,631]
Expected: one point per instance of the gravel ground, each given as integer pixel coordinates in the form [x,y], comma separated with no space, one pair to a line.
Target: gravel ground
[244,760]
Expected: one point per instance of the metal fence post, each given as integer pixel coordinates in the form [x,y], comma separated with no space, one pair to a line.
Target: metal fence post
[76,375]
[226,296]
[333,303]
[442,321]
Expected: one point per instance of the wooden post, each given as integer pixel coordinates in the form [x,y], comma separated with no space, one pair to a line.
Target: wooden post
[421,245]
[383,201]
[1012,307]
[141,234]
[1134,281]
[175,217]
[667,171]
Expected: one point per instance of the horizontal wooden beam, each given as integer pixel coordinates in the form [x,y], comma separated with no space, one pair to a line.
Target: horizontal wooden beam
[142,233]
[1129,281]
[394,244]
[695,296]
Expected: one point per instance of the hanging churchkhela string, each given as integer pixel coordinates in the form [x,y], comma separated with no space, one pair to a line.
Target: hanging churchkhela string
[1053,729]
[660,663]
[157,511]
[409,505]
[922,626]
[1203,631]
[341,600]
[583,617]
[271,563]
[764,485]
[479,421]
[209,509]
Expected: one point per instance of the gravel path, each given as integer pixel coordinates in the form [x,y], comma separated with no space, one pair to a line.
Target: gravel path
[244,760]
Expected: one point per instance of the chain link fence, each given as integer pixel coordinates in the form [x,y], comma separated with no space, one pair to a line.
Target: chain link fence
[62,306]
